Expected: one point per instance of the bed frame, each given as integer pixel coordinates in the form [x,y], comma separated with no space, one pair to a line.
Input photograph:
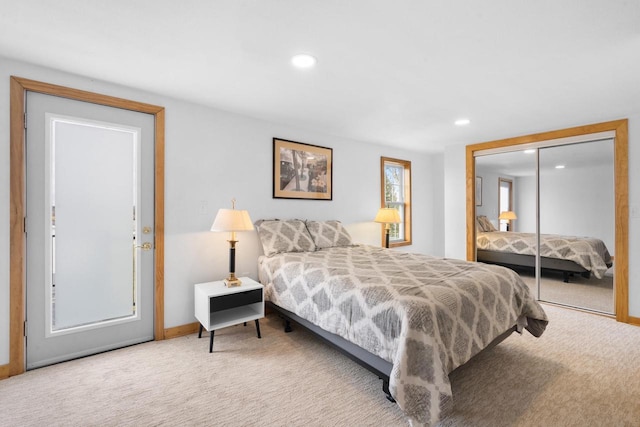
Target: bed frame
[368,360]
[506,259]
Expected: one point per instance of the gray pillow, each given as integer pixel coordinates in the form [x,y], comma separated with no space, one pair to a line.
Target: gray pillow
[328,234]
[284,236]
[485,224]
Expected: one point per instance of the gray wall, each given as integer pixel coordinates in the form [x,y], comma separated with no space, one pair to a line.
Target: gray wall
[213,156]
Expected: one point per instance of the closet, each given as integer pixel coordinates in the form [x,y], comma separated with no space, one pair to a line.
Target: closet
[567,193]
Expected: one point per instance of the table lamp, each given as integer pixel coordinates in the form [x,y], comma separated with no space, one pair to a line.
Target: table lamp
[507,216]
[387,216]
[232,220]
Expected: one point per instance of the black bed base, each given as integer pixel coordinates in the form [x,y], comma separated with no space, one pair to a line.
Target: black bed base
[368,360]
[566,267]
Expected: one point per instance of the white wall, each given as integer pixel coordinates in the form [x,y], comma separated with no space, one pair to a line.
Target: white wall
[573,202]
[437,238]
[455,202]
[213,156]
[455,199]
[525,204]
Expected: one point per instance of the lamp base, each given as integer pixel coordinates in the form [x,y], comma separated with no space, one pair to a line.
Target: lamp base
[231,282]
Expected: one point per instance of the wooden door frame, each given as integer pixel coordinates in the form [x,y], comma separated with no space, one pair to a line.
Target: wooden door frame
[17,254]
[621,182]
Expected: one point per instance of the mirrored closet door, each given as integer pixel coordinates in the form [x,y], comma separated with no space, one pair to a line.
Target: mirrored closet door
[577,224]
[548,212]
[506,218]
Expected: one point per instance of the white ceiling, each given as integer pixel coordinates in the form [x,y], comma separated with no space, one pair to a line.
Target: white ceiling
[584,155]
[388,72]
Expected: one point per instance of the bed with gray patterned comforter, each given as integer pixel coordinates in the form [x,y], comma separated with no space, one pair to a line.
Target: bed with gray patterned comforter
[425,315]
[588,252]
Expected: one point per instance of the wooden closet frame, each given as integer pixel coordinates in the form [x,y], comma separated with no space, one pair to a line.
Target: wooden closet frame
[621,180]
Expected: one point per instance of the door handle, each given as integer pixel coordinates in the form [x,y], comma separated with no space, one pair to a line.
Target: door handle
[145,246]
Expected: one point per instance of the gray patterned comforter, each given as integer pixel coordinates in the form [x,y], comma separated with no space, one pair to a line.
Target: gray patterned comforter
[425,315]
[588,252]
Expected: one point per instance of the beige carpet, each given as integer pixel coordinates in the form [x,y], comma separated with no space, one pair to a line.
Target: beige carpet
[584,371]
[586,293]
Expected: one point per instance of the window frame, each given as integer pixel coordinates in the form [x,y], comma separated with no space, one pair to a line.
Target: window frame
[405,210]
[508,224]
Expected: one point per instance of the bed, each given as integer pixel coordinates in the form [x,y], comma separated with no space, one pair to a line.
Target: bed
[411,319]
[568,254]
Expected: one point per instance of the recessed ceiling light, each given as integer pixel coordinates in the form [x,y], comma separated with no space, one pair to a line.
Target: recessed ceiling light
[303,60]
[559,166]
[462,122]
[530,151]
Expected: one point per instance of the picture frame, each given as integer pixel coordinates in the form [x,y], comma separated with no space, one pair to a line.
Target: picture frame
[302,171]
[478,191]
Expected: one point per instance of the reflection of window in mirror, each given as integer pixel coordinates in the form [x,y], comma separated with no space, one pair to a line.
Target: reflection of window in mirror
[505,202]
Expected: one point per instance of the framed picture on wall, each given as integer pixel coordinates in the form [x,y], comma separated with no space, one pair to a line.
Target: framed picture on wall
[302,171]
[478,191]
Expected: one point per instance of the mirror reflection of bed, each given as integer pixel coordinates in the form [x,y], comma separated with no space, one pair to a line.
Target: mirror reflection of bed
[576,220]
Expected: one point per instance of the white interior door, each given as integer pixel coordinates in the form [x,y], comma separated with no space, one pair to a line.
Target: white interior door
[90,231]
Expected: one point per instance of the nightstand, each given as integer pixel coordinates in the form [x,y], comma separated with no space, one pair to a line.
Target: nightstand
[217,306]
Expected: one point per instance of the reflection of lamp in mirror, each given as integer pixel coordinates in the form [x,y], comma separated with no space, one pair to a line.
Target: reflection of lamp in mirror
[232,220]
[508,216]
[387,216]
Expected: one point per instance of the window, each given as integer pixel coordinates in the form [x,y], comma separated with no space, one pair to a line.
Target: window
[505,202]
[396,193]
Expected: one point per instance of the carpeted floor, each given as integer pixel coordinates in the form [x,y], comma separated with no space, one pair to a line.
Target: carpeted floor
[586,293]
[584,371]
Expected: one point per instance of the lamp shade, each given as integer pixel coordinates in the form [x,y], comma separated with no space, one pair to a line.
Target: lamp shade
[508,215]
[388,216]
[232,220]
